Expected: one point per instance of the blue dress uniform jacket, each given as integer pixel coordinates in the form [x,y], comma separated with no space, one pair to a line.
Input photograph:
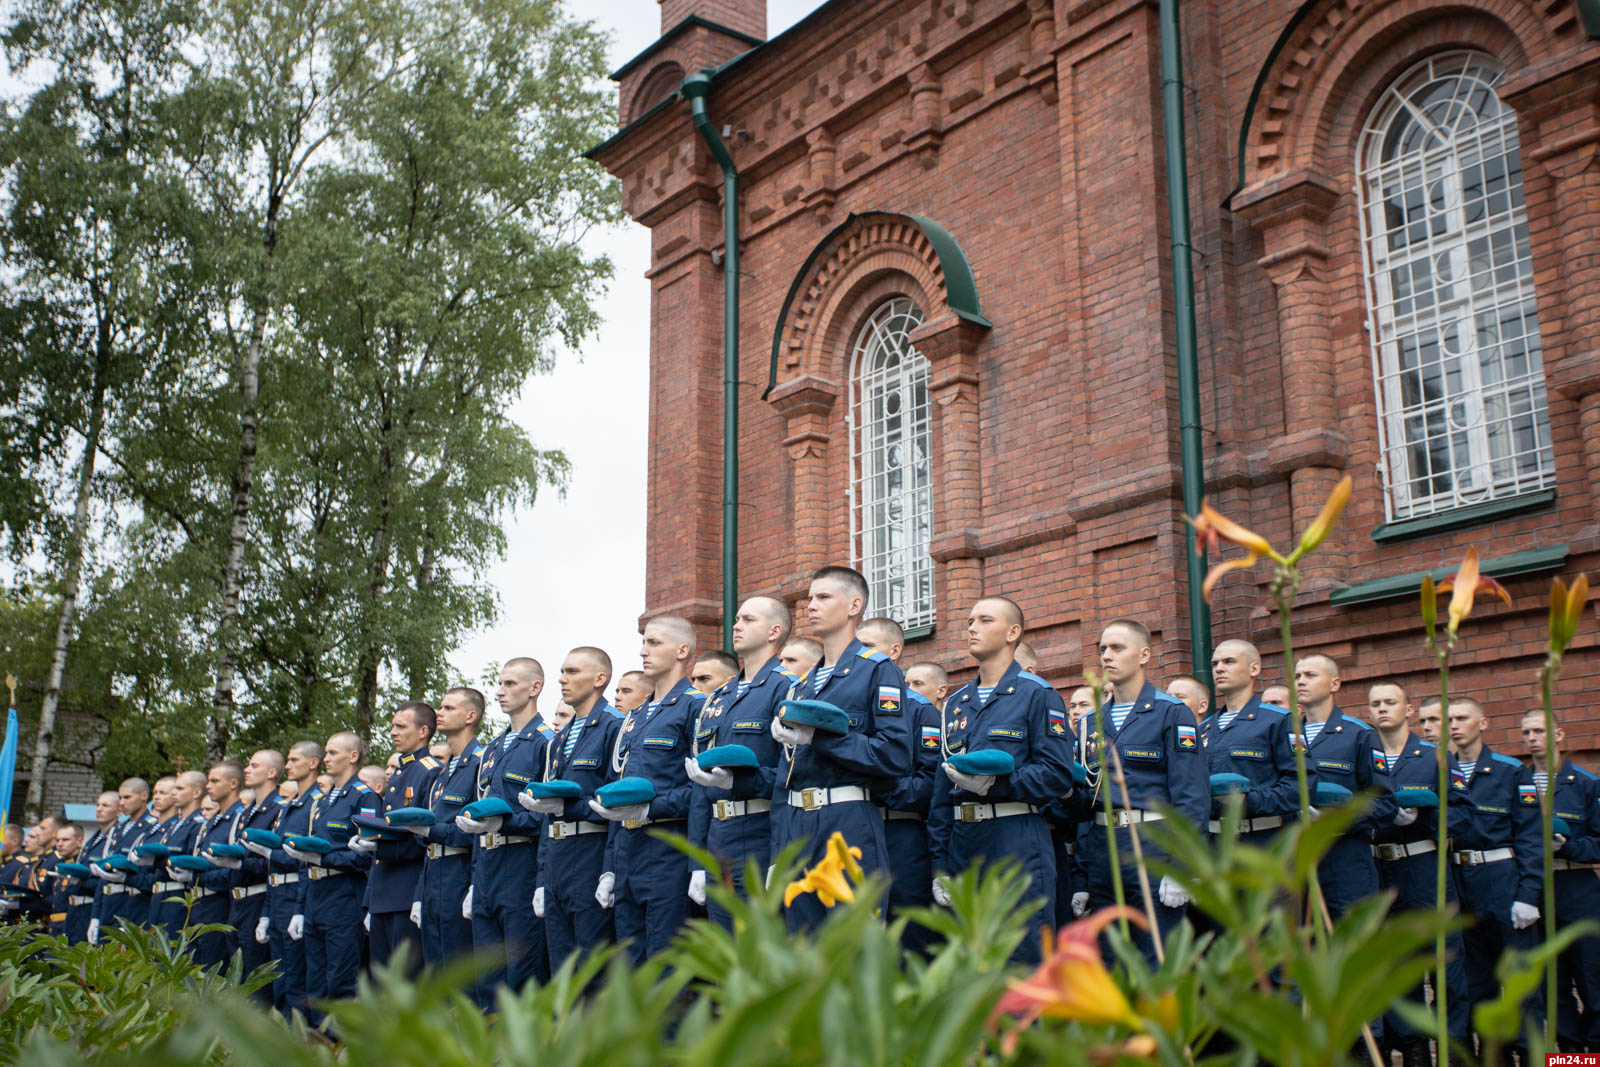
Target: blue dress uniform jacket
[1408,864]
[247,886]
[57,888]
[141,886]
[1499,858]
[113,901]
[214,888]
[167,908]
[286,895]
[1578,898]
[332,907]
[905,826]
[735,825]
[828,786]
[653,876]
[1349,753]
[506,935]
[572,855]
[447,872]
[397,864]
[1020,719]
[1255,744]
[80,904]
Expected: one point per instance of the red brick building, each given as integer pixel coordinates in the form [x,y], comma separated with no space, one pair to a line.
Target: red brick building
[954,240]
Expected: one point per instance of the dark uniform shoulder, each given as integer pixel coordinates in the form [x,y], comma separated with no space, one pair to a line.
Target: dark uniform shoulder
[1501,757]
[872,654]
[545,730]
[1274,707]
[1029,676]
[429,762]
[1583,772]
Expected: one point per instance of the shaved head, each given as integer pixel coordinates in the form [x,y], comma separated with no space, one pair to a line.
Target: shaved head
[596,657]
[775,612]
[528,668]
[675,628]
[1244,650]
[1327,662]
[1006,607]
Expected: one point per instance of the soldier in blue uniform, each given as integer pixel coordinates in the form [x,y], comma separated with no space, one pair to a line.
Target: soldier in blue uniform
[80,905]
[1250,738]
[981,818]
[712,670]
[112,901]
[1157,741]
[331,924]
[506,935]
[731,813]
[144,905]
[1069,819]
[397,863]
[213,887]
[828,783]
[800,656]
[247,886]
[1408,859]
[646,879]
[1577,857]
[447,873]
[69,849]
[167,908]
[286,881]
[1498,855]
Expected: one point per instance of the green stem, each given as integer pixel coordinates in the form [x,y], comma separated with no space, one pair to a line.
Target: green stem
[1283,590]
[1552,763]
[1441,868]
[1111,822]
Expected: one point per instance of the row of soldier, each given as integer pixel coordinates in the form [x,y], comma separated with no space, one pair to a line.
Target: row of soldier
[538,844]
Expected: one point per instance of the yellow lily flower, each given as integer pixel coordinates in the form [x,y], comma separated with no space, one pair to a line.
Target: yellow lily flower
[1464,587]
[827,879]
[1319,529]
[1072,982]
[1212,528]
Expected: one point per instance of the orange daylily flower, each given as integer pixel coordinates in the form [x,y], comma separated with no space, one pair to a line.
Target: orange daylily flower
[827,879]
[1137,1047]
[1072,982]
[1465,585]
[1319,529]
[1566,610]
[1212,528]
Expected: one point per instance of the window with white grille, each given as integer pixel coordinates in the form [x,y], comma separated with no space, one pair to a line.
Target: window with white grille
[1455,334]
[891,482]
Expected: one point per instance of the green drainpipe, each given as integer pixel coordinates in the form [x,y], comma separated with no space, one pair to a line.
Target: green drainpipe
[1183,307]
[696,87]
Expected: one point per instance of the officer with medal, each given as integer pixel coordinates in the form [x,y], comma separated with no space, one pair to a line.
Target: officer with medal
[397,861]
[1007,755]
[447,872]
[732,802]
[572,855]
[505,850]
[112,899]
[1156,740]
[1247,747]
[62,886]
[646,878]
[1576,837]
[831,773]
[286,879]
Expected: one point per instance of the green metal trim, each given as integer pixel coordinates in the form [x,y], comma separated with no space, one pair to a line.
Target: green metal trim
[1255,90]
[918,633]
[681,26]
[1533,561]
[1589,15]
[960,285]
[1455,519]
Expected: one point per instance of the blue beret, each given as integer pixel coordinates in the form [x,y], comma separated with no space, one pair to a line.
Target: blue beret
[374,826]
[75,870]
[233,852]
[153,848]
[1328,793]
[306,843]
[556,787]
[487,808]
[1558,825]
[728,756]
[626,791]
[264,838]
[984,761]
[190,863]
[1414,796]
[816,713]
[1228,782]
[119,862]
[410,817]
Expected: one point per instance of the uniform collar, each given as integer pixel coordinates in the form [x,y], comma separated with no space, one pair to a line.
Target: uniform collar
[1141,703]
[409,757]
[1006,684]
[841,666]
[672,697]
[1250,710]
[1333,724]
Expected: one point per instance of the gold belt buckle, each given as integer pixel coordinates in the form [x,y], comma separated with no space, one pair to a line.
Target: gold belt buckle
[969,813]
[633,824]
[558,830]
[809,800]
[238,892]
[722,810]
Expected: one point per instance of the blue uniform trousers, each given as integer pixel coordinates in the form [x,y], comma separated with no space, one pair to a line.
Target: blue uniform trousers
[289,988]
[333,937]
[652,902]
[862,827]
[911,864]
[1102,892]
[445,934]
[1064,843]
[1026,839]
[77,926]
[573,920]
[1487,891]
[216,947]
[243,915]
[1347,874]
[1414,882]
[390,930]
[512,940]
[735,842]
[1578,969]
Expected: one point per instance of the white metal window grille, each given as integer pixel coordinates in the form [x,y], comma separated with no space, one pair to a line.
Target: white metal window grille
[1455,332]
[891,482]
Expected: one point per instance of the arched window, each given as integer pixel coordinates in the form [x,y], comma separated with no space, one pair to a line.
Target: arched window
[1455,333]
[891,483]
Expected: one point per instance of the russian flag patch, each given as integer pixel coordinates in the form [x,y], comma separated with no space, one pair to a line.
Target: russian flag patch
[1058,722]
[930,737]
[1380,762]
[1186,737]
[889,698]
[1528,794]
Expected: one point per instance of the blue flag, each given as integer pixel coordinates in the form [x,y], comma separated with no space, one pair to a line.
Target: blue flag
[8,765]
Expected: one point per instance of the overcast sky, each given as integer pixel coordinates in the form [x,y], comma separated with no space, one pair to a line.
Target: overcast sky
[574,570]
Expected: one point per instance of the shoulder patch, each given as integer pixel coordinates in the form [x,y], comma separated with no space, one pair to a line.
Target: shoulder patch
[546,730]
[1274,707]
[871,653]
[916,697]
[1502,758]
[1582,772]
[429,762]
[787,673]
[1034,678]
[361,787]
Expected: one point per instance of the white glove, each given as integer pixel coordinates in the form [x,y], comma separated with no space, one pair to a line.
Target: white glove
[304,857]
[105,874]
[7,907]
[366,921]
[420,831]
[178,874]
[979,784]
[297,927]
[767,882]
[1171,893]
[1558,842]
[93,935]
[941,895]
[141,860]
[785,734]
[715,778]
[466,904]
[538,902]
[1523,915]
[227,862]
[605,891]
[362,845]
[1316,812]
[697,887]
[416,913]
[263,929]
[625,813]
[1080,904]
[261,850]
[1405,816]
[542,805]
[468,825]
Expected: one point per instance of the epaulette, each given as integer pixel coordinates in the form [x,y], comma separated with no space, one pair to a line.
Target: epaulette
[546,730]
[1367,725]
[1583,771]
[916,697]
[1034,678]
[787,673]
[1161,696]
[1274,707]
[282,800]
[361,787]
[197,817]
[695,694]
[615,713]
[871,653]
[1503,758]
[429,762]
[1424,743]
